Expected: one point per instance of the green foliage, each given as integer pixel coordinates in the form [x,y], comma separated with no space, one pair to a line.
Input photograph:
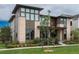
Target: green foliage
[71,42]
[75,34]
[75,37]
[11,46]
[33,42]
[5,34]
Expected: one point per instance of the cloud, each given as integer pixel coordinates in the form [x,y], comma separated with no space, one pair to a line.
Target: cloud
[56,9]
[5,11]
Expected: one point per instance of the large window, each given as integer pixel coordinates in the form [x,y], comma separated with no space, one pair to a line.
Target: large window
[70,23]
[61,21]
[22,9]
[27,10]
[32,16]
[36,17]
[65,22]
[29,33]
[36,11]
[32,10]
[27,16]
[22,14]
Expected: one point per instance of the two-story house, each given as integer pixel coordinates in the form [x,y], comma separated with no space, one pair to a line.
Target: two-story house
[25,24]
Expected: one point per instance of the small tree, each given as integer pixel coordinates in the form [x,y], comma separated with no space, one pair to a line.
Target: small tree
[75,34]
[5,34]
[45,27]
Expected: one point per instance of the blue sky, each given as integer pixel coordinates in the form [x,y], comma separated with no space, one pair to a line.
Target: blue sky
[56,9]
[4,23]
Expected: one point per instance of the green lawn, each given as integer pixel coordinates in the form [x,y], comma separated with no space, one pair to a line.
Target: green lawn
[2,46]
[58,50]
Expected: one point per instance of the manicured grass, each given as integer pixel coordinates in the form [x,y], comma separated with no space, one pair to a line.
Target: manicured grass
[2,45]
[58,50]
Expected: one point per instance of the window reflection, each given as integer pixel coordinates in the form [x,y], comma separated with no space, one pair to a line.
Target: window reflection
[27,16]
[36,11]
[36,17]
[22,14]
[32,11]
[32,16]
[23,9]
[27,10]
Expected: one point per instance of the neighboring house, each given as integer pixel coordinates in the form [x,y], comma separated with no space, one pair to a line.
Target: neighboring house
[75,24]
[25,24]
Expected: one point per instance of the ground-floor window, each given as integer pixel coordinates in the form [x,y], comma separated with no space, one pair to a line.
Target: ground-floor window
[65,34]
[43,34]
[29,33]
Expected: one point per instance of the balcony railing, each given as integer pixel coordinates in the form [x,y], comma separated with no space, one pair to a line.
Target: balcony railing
[60,25]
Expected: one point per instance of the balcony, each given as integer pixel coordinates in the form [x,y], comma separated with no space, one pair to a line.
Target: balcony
[60,25]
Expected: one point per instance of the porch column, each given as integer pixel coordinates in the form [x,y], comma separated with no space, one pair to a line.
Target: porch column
[60,36]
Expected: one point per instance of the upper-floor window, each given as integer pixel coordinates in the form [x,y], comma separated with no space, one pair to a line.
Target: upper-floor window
[27,10]
[22,9]
[32,16]
[22,14]
[36,11]
[61,21]
[36,17]
[32,10]
[70,23]
[27,16]
[65,22]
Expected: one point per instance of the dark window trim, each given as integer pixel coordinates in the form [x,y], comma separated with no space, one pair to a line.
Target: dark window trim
[23,11]
[30,14]
[70,23]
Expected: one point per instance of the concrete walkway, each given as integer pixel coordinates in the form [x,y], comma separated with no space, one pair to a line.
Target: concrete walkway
[37,47]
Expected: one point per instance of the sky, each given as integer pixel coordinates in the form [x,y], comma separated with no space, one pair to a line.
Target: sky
[4,23]
[56,9]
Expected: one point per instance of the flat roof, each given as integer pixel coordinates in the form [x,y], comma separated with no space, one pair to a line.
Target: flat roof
[24,6]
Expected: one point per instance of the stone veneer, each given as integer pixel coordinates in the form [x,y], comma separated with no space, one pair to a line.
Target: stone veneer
[21,30]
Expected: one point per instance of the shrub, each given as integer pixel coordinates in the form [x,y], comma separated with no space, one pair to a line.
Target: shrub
[37,40]
[70,42]
[75,34]
[11,46]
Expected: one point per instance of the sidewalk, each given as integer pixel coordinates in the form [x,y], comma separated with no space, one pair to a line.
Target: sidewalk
[37,47]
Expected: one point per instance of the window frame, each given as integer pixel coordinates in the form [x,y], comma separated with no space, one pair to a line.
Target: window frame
[70,23]
[28,17]
[24,9]
[21,14]
[30,14]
